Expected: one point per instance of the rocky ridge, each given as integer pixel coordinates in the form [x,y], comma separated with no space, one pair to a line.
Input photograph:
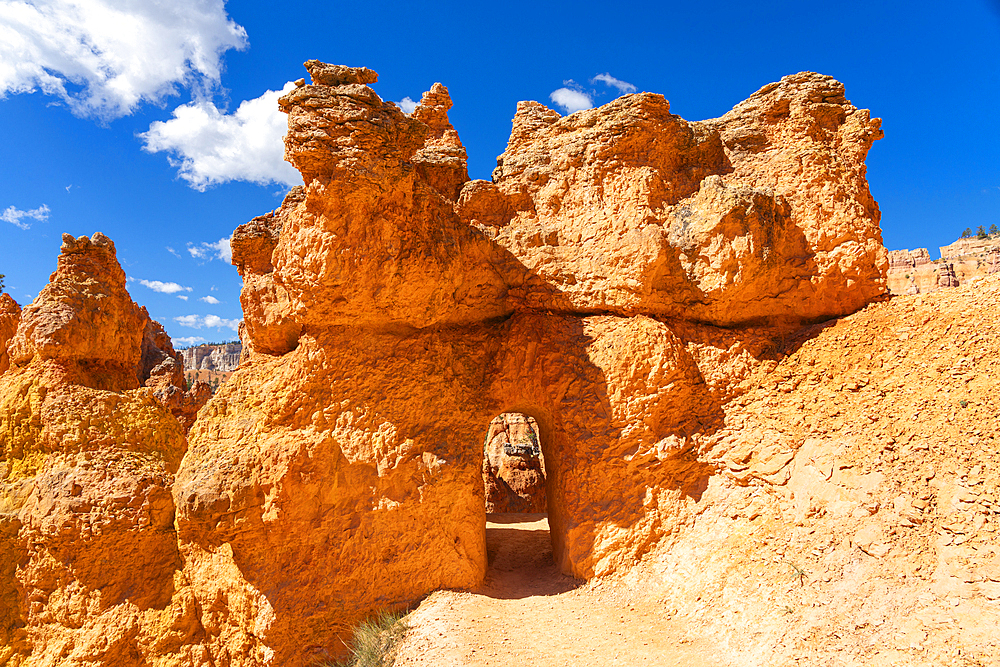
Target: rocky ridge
[913,271]
[88,450]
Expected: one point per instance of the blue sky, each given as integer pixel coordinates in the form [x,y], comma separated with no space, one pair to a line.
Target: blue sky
[153,123]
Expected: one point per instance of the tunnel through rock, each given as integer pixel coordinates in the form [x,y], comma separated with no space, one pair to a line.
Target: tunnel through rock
[518,539]
[513,465]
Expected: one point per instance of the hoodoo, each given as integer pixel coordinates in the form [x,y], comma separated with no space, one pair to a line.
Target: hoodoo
[88,449]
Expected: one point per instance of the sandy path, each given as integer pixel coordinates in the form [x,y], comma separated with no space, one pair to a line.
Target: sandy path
[528,613]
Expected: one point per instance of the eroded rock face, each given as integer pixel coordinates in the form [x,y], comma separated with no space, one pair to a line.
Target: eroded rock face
[946,275]
[10,315]
[371,207]
[88,551]
[620,281]
[761,214]
[84,318]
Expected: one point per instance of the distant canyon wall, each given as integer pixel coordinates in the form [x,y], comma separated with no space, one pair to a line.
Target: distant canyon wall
[914,272]
[223,358]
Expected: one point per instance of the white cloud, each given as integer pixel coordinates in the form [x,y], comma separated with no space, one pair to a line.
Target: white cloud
[189,321]
[105,57]
[210,299]
[210,147]
[210,321]
[571,99]
[218,250]
[407,105]
[189,340]
[14,215]
[607,79]
[182,298]
[162,287]
[172,251]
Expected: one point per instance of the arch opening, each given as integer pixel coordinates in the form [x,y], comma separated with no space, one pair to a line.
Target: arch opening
[514,466]
[520,544]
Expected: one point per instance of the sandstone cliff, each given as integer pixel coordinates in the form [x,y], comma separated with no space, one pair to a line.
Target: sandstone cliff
[87,546]
[620,281]
[913,271]
[223,358]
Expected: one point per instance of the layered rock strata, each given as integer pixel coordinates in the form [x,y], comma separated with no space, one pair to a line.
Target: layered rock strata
[913,271]
[222,358]
[89,562]
[622,275]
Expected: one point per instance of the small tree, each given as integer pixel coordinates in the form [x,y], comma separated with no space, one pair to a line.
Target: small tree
[967,233]
[993,232]
[2,276]
[981,232]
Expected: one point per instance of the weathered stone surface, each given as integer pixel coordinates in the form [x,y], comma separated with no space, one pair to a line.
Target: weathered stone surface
[87,458]
[388,322]
[830,500]
[763,213]
[946,275]
[10,315]
[442,160]
[513,468]
[84,318]
[366,210]
[905,260]
[325,74]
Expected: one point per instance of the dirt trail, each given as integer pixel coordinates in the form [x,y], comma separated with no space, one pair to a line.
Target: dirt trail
[527,612]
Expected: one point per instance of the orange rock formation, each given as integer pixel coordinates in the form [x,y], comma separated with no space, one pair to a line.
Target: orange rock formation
[88,555]
[10,315]
[513,466]
[621,276]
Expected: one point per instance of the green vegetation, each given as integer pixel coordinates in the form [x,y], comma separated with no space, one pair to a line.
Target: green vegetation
[375,641]
[981,232]
[798,572]
[2,276]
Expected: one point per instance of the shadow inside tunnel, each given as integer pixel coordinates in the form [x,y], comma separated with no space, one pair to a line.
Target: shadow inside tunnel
[519,553]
